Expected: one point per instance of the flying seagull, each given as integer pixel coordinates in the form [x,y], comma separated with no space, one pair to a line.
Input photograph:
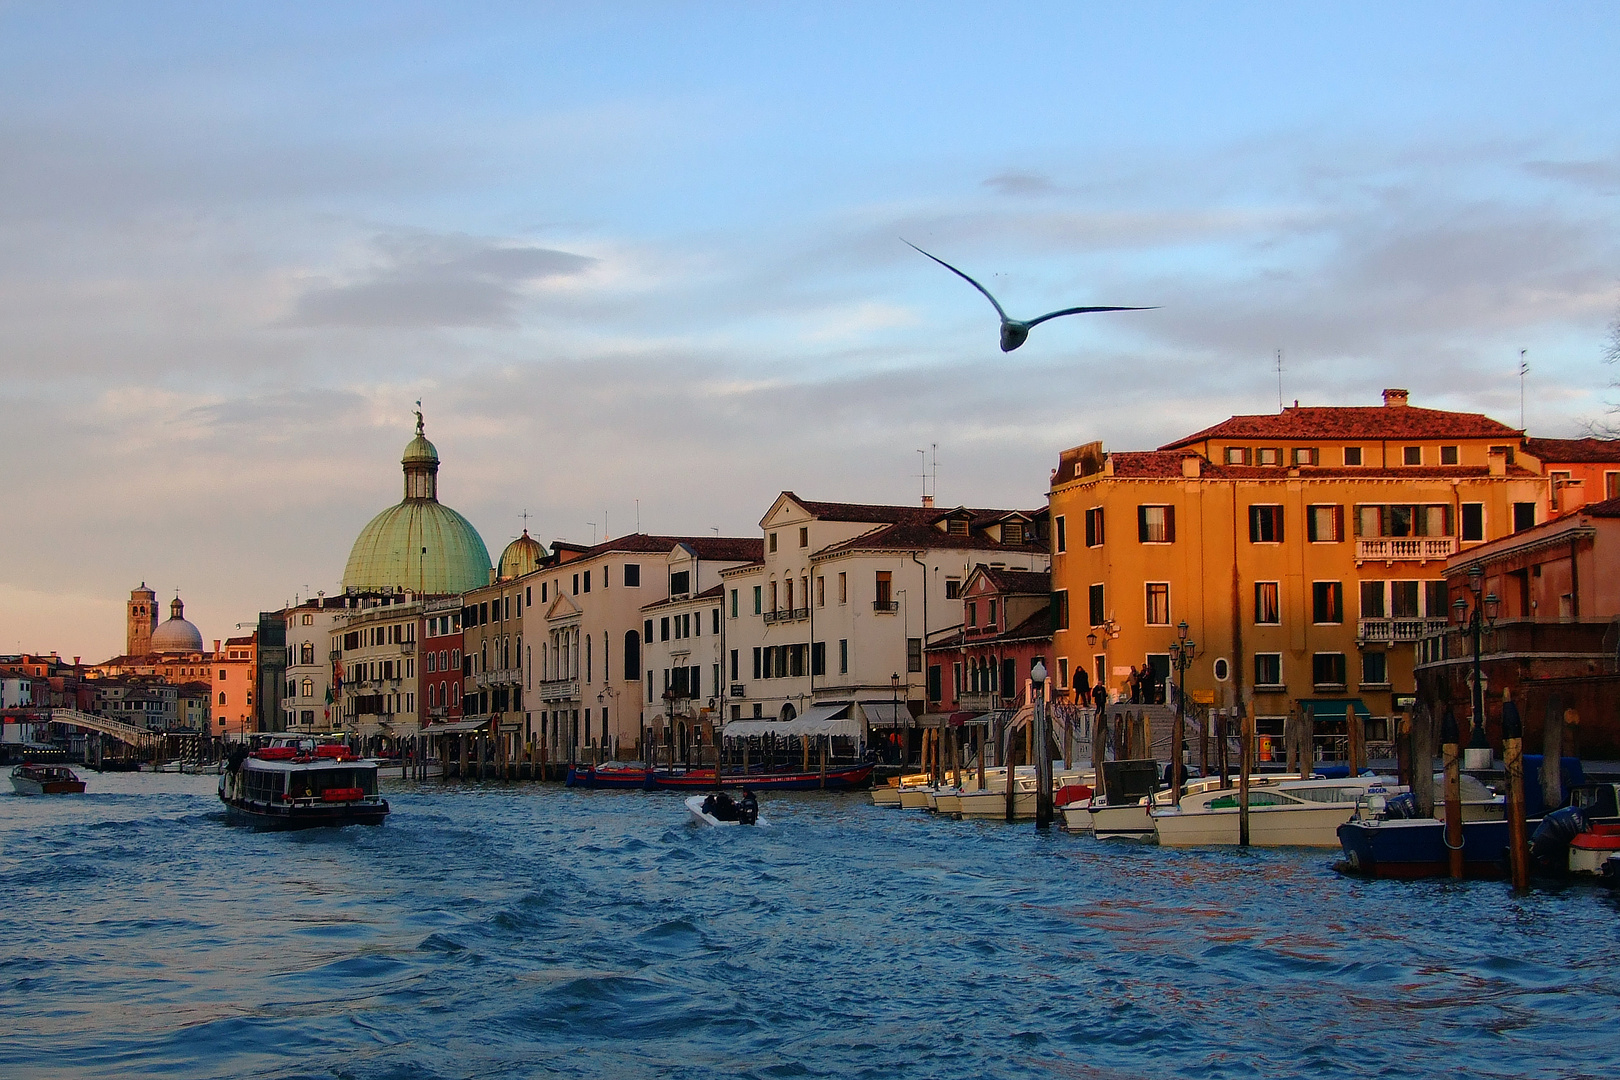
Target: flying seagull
[1015,331]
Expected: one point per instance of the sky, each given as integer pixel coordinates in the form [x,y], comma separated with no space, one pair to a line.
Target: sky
[643,264]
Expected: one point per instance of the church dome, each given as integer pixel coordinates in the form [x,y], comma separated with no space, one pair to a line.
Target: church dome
[177,635]
[418,544]
[521,556]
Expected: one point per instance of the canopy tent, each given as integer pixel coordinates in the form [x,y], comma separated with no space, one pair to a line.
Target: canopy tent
[816,720]
[1333,709]
[887,714]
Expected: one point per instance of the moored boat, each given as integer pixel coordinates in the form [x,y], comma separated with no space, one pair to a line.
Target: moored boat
[612,774]
[847,778]
[299,783]
[31,779]
[1282,813]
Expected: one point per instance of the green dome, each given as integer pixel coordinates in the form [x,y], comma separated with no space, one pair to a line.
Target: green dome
[419,544]
[389,551]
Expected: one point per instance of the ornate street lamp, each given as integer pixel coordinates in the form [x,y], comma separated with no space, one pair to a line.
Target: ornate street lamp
[1183,650]
[1473,620]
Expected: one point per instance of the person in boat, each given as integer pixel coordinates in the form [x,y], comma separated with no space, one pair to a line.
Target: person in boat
[720,807]
[748,809]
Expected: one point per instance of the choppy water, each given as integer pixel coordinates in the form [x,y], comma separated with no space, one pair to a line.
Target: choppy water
[526,931]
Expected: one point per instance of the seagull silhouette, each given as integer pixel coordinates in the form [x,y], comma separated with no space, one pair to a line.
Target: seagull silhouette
[1015,331]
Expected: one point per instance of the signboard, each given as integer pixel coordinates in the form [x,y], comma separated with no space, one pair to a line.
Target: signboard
[1203,697]
[1125,670]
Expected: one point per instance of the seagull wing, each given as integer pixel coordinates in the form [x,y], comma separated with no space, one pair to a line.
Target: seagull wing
[963,276]
[1080,310]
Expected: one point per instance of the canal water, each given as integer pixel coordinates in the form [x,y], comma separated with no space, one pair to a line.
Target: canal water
[513,931]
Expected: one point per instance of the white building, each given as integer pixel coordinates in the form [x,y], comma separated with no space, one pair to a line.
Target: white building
[306,702]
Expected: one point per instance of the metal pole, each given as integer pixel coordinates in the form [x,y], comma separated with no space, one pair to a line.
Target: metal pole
[1043,755]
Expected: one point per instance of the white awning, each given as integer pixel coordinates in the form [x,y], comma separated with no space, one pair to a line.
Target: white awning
[887,713]
[816,720]
[458,727]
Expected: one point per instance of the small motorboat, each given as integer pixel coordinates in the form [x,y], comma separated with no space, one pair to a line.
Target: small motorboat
[705,810]
[45,780]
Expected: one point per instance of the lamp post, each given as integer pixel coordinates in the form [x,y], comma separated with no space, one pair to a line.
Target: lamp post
[1473,620]
[1108,631]
[604,699]
[1043,756]
[905,752]
[1182,652]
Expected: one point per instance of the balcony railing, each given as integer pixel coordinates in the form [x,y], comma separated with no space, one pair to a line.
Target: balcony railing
[781,615]
[407,647]
[800,613]
[1393,630]
[1406,549]
[886,606]
[498,677]
[560,690]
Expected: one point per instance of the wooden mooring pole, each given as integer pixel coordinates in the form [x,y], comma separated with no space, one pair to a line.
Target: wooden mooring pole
[1513,762]
[1450,750]
[1245,763]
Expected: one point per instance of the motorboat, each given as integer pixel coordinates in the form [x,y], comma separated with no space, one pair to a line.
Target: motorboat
[1291,813]
[703,814]
[29,779]
[295,782]
[990,802]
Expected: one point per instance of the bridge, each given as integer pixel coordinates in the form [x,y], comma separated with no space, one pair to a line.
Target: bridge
[128,734]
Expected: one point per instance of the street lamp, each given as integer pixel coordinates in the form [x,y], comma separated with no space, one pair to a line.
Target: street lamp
[1474,620]
[894,682]
[1043,756]
[1182,652]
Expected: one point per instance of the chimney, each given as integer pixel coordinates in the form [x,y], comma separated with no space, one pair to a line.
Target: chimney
[216,645]
[928,502]
[1394,399]
[1191,466]
[1497,461]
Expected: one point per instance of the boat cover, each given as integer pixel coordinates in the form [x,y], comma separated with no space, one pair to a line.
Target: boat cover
[816,720]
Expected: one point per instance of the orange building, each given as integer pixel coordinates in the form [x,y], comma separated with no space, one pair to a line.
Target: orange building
[1304,550]
[1581,470]
[235,672]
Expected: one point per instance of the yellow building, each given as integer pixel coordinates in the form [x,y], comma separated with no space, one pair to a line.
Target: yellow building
[1304,550]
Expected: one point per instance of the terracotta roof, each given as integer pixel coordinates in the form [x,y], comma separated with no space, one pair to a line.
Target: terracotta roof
[1574,451]
[1166,465]
[906,515]
[714,592]
[738,548]
[1608,508]
[924,536]
[1017,582]
[1312,423]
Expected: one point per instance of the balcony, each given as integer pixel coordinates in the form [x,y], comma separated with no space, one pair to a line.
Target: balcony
[407,647]
[800,613]
[1388,631]
[498,677]
[560,690]
[776,616]
[978,702]
[885,607]
[1391,549]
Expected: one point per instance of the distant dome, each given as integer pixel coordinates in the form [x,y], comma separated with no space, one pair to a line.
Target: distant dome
[521,556]
[177,635]
[419,544]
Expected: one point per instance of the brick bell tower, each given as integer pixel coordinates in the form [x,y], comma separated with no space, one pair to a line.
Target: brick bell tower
[143,619]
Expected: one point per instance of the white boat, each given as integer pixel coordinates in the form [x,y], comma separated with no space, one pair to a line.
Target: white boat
[1282,813]
[694,805]
[29,779]
[886,795]
[1132,820]
[990,803]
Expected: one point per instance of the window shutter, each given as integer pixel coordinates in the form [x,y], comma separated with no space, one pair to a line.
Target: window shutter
[1141,524]
[1170,524]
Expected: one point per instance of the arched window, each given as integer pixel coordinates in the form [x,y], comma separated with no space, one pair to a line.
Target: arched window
[306,653]
[306,688]
[632,655]
[222,697]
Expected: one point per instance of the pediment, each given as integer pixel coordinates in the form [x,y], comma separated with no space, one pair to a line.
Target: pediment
[562,607]
[784,510]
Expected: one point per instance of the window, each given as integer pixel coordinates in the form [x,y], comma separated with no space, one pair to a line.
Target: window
[680,582]
[804,536]
[1473,521]
[1268,455]
[307,688]
[935,682]
[843,656]
[1095,602]
[914,654]
[1374,669]
[821,591]
[773,542]
[1327,669]
[1403,520]
[1268,669]
[1265,524]
[1237,455]
[1372,599]
[1611,485]
[957,526]
[1061,537]
[1267,603]
[884,586]
[733,607]
[1524,516]
[953,588]
[843,589]
[1403,599]
[1448,456]
[1012,532]
[1060,609]
[714,620]
[758,599]
[994,613]
[308,620]
[972,613]
[306,653]
[1063,672]
[576,584]
[663,628]
[1158,603]
[1156,524]
[632,655]
[1324,524]
[818,658]
[632,578]
[757,652]
[1352,455]
[733,665]
[1434,598]
[1094,527]
[1304,455]
[1327,602]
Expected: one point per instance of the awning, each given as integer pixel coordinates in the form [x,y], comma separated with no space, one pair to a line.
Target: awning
[458,727]
[816,720]
[887,714]
[1331,709]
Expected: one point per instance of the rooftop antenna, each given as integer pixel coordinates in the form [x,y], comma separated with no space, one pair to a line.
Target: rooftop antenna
[605,534]
[638,515]
[716,530]
[936,469]
[924,476]
[1524,369]
[592,524]
[1279,381]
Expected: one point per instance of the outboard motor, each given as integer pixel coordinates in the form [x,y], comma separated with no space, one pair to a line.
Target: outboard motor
[1549,844]
[1399,806]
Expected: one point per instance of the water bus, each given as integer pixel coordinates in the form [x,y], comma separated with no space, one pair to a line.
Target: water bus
[296,782]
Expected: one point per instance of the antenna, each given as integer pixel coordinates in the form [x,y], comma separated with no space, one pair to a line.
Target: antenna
[1279,380]
[936,469]
[638,515]
[592,524]
[924,475]
[1524,369]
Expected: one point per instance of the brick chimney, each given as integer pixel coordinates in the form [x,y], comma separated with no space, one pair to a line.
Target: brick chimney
[928,502]
[1394,399]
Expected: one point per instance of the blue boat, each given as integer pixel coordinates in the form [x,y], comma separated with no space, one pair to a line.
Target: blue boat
[1416,848]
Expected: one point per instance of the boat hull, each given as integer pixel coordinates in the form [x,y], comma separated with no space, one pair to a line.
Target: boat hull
[327,815]
[885,796]
[622,779]
[694,806]
[1130,822]
[704,780]
[47,780]
[1269,826]
[1416,848]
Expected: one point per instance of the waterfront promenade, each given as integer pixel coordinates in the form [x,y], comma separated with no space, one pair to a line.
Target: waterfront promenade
[495,930]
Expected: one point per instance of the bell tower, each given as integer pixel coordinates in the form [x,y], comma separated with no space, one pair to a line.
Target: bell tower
[143,619]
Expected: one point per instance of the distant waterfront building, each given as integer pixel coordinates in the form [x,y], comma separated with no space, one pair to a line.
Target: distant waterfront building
[418,544]
[235,675]
[1581,471]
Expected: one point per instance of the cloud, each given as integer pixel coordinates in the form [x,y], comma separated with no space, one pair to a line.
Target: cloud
[437,281]
[1020,184]
[1600,175]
